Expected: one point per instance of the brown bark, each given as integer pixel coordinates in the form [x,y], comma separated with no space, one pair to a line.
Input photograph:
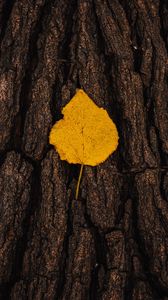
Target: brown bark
[113,242]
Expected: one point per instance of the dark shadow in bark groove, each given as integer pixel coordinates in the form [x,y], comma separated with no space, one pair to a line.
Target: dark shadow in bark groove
[94,286]
[6,11]
[128,291]
[65,256]
[137,55]
[73,173]
[159,292]
[65,66]
[149,116]
[101,256]
[162,187]
[163,7]
[65,46]
[2,157]
[135,34]
[163,155]
[5,290]
[124,196]
[55,105]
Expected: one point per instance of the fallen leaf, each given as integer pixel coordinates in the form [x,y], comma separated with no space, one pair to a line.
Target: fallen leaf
[86,135]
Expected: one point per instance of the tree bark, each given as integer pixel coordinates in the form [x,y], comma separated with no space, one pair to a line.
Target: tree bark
[112,243]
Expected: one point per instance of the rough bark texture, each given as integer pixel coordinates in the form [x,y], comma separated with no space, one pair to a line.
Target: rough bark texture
[113,242]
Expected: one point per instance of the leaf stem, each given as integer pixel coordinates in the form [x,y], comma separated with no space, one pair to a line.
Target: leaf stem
[79,180]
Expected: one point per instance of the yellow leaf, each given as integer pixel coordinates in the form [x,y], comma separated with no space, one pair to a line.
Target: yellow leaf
[86,135]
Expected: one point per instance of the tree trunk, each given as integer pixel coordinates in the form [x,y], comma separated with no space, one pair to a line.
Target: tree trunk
[113,242]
